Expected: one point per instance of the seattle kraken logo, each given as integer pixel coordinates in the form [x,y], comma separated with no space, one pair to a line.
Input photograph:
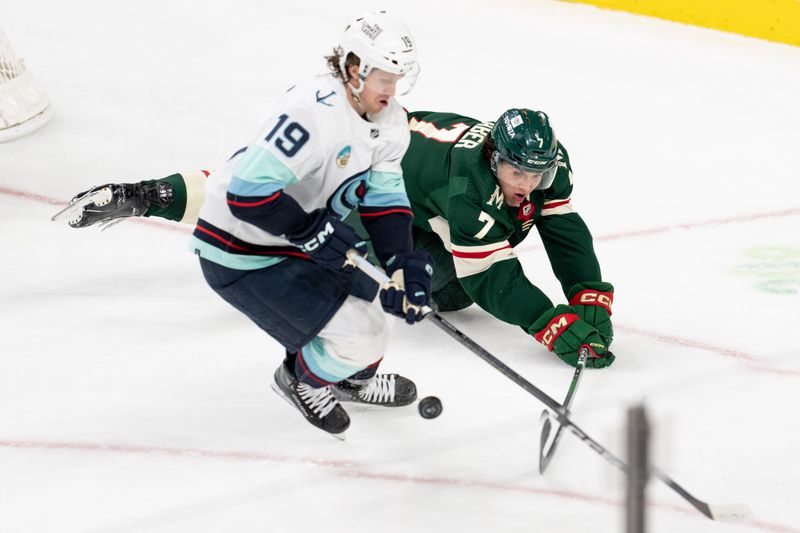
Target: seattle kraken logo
[349,194]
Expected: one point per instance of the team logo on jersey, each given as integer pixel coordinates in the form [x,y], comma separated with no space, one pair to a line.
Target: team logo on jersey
[343,157]
[323,99]
[497,199]
[374,133]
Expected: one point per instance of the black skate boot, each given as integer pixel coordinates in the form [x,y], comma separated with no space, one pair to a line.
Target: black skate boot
[389,390]
[113,201]
[317,405]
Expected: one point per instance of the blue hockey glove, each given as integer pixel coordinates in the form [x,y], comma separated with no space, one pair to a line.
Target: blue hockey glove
[326,239]
[411,275]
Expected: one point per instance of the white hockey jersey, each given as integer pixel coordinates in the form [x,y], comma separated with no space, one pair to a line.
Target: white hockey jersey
[318,150]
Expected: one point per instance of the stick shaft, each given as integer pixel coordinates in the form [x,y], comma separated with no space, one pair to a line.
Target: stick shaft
[560,412]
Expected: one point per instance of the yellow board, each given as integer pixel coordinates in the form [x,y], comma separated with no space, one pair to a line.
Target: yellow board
[773,20]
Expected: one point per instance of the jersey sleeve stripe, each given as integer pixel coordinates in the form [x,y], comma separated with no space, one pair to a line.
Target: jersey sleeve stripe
[480,248]
[232,245]
[254,203]
[555,203]
[469,266]
[240,187]
[260,166]
[373,199]
[477,255]
[387,212]
[385,189]
[557,207]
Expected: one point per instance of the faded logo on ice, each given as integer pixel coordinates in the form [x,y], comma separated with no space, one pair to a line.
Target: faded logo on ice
[776,268]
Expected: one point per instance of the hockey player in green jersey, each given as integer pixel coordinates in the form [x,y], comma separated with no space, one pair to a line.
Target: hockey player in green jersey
[476,190]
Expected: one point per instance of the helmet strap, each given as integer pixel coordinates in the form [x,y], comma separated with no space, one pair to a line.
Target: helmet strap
[495,157]
[362,76]
[355,92]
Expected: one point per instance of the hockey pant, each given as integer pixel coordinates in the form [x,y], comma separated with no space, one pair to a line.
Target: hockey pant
[334,321]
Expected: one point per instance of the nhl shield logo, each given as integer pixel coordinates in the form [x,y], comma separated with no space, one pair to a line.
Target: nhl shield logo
[343,157]
[525,210]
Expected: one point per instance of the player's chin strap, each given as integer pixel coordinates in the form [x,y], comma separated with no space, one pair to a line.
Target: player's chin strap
[356,92]
[734,512]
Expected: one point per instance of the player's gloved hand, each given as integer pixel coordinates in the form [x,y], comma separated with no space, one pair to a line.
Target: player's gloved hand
[592,302]
[411,275]
[326,239]
[563,332]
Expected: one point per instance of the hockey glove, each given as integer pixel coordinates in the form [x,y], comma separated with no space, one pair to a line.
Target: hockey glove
[410,289]
[563,332]
[592,302]
[326,239]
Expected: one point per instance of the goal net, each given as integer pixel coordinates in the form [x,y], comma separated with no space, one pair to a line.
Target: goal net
[24,106]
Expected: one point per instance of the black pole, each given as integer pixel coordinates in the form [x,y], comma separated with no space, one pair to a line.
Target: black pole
[638,469]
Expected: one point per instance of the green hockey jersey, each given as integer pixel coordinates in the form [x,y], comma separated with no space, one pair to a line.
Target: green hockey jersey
[454,194]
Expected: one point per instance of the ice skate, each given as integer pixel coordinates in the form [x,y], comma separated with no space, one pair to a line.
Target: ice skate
[388,390]
[317,405]
[109,203]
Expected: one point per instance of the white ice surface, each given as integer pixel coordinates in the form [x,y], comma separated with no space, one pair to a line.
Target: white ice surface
[133,399]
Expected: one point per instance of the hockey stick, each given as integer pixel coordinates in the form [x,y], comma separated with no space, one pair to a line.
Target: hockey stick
[714,512]
[546,457]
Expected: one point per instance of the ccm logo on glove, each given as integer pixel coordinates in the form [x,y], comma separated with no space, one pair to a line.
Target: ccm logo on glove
[554,328]
[590,297]
[319,240]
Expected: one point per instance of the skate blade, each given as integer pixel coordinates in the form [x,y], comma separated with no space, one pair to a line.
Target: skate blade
[338,436]
[74,211]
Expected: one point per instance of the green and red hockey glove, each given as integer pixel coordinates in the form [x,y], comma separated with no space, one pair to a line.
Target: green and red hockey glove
[592,302]
[563,332]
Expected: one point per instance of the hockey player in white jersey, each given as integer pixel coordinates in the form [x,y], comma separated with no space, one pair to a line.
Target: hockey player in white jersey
[271,241]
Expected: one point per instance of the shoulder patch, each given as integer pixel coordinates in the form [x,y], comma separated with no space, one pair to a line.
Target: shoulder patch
[343,157]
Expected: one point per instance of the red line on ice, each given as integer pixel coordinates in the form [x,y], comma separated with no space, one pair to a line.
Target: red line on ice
[351,470]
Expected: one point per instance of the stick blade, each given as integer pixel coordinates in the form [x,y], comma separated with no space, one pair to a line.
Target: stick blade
[546,425]
[729,513]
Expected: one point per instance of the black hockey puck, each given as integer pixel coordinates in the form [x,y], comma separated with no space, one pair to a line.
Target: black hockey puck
[430,407]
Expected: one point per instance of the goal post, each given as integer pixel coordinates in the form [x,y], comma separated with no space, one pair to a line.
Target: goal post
[24,105]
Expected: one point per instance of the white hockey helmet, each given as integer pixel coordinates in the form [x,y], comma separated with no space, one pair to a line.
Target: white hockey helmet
[381,41]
